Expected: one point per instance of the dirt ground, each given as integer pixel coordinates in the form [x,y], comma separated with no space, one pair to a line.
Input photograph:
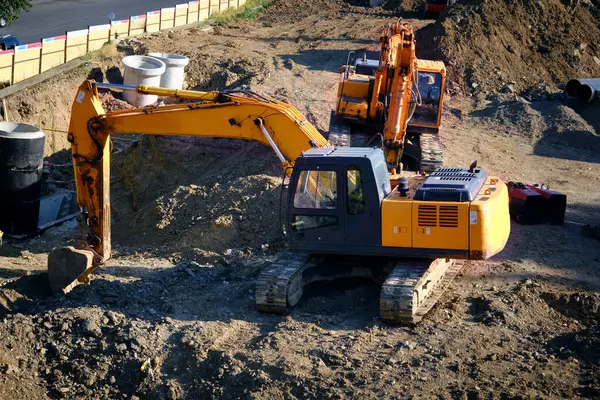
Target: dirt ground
[195,220]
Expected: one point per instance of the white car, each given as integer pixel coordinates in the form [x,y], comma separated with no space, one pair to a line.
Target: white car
[2,23]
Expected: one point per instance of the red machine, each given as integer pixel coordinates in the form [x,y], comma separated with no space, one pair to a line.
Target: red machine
[536,204]
[433,8]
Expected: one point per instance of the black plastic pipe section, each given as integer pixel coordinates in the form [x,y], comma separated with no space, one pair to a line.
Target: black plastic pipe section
[21,166]
[574,84]
[588,92]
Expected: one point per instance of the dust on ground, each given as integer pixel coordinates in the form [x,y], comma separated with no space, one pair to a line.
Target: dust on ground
[195,220]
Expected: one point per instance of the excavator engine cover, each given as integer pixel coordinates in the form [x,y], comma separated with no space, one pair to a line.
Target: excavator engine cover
[452,184]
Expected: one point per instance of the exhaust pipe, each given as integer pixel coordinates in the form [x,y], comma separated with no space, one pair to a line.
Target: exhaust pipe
[574,84]
[587,93]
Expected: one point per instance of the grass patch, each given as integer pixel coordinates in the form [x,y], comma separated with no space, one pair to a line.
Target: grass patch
[250,10]
[106,52]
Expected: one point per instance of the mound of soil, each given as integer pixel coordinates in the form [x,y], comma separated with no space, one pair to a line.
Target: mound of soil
[192,332]
[186,192]
[488,44]
[409,6]
[556,123]
[286,11]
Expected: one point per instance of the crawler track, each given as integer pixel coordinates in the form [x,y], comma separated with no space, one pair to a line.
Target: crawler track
[432,152]
[280,284]
[412,289]
[408,292]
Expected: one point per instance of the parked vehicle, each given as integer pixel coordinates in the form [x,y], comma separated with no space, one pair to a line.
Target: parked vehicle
[9,42]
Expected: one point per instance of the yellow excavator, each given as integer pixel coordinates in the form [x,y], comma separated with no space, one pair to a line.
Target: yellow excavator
[393,98]
[345,214]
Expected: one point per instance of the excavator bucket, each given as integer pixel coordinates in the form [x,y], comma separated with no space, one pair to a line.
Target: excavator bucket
[67,267]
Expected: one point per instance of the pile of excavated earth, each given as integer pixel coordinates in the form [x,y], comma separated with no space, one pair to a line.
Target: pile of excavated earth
[195,220]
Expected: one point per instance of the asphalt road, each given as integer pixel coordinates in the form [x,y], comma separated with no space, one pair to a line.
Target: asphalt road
[49,18]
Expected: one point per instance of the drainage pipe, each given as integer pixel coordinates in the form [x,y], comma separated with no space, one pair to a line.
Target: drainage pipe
[588,92]
[141,70]
[21,167]
[573,85]
[175,71]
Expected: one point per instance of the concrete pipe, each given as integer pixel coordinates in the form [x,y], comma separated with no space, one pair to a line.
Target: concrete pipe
[175,72]
[588,92]
[21,167]
[141,70]
[573,85]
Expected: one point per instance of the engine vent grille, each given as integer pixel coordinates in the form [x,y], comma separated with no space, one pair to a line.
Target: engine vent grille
[427,215]
[432,216]
[448,216]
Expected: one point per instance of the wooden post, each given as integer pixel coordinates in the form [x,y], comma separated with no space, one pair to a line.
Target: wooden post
[42,54]
[4,110]
[66,47]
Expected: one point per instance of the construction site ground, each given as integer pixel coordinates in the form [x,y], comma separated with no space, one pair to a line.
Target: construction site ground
[195,220]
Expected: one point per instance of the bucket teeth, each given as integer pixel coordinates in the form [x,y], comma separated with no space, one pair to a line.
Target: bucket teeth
[67,268]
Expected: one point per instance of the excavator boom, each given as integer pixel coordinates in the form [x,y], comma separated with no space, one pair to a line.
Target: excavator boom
[402,44]
[235,115]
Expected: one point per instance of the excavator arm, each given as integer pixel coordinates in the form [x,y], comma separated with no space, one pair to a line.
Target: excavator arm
[235,115]
[404,62]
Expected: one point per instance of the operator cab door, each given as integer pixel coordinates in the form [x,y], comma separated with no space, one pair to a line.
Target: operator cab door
[363,211]
[315,208]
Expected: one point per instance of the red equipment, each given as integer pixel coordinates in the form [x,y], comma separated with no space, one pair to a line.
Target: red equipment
[433,8]
[535,204]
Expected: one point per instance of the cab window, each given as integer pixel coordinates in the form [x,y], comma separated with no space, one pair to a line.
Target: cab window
[356,196]
[317,190]
[430,89]
[306,222]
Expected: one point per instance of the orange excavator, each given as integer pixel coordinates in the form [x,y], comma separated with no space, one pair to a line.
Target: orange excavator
[345,215]
[394,100]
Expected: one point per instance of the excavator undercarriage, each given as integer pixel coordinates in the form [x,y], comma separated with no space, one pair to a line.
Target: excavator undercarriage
[409,288]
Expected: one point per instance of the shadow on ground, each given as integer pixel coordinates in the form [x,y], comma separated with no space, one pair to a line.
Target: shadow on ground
[187,293]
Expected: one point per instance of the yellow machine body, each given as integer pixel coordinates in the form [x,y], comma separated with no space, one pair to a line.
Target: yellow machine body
[353,94]
[479,227]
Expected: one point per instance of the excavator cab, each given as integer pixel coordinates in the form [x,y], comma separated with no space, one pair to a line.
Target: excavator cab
[335,200]
[429,87]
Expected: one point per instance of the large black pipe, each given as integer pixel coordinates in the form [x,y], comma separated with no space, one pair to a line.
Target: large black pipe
[588,92]
[574,84]
[21,165]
